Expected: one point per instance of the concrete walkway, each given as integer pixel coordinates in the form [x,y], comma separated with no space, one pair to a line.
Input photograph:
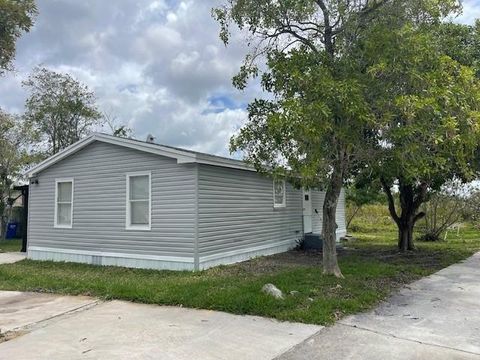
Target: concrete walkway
[11,257]
[437,317]
[123,330]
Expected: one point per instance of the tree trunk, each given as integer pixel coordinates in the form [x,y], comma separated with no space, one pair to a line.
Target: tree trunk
[405,236]
[3,228]
[410,200]
[330,263]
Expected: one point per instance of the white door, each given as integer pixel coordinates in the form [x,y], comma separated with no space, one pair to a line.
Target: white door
[307,211]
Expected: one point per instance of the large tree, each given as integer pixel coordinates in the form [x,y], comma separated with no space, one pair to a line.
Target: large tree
[427,109]
[16,17]
[16,139]
[312,130]
[61,109]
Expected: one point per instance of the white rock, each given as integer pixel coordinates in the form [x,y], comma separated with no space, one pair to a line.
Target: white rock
[272,290]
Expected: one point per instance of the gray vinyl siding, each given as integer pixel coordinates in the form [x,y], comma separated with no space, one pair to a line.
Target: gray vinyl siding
[318,198]
[99,206]
[236,213]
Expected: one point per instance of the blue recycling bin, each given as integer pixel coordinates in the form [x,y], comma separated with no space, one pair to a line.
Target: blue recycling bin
[11,230]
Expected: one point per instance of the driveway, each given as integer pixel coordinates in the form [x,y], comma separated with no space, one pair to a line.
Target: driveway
[437,317]
[84,328]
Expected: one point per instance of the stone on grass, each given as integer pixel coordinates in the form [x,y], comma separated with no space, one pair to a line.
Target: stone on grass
[272,290]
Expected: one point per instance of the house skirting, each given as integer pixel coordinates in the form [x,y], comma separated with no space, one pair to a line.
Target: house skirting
[235,256]
[111,259]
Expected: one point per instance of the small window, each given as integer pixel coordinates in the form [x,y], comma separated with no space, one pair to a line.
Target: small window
[63,203]
[279,193]
[138,201]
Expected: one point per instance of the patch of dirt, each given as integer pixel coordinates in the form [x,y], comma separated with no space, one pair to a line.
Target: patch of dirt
[10,335]
[273,263]
[297,259]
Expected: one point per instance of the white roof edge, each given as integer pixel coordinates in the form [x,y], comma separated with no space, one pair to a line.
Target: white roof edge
[182,156]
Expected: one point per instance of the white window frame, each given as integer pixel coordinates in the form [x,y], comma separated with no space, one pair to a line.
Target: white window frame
[128,225]
[55,220]
[284,203]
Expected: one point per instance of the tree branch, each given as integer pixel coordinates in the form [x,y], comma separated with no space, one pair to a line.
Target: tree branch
[421,193]
[419,216]
[391,201]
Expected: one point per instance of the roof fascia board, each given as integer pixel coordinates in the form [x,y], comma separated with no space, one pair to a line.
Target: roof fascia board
[215,161]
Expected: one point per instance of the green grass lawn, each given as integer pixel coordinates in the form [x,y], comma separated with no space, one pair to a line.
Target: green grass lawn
[12,245]
[371,265]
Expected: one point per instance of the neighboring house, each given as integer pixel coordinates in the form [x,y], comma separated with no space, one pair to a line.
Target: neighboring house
[113,201]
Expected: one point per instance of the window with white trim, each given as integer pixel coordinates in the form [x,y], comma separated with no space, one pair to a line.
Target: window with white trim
[279,198]
[138,201]
[63,203]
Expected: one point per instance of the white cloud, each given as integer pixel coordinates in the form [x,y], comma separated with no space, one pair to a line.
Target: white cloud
[158,65]
[471,11]
[152,64]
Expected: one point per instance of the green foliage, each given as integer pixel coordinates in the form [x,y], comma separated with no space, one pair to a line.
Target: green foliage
[443,210]
[115,127]
[11,245]
[16,139]
[461,43]
[362,192]
[359,196]
[16,17]
[314,116]
[427,105]
[471,211]
[60,108]
[373,270]
[371,218]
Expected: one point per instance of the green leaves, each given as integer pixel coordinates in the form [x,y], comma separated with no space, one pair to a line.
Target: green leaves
[16,17]
[60,109]
[313,119]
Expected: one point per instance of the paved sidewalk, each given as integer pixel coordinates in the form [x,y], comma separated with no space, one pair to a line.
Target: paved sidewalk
[11,257]
[437,317]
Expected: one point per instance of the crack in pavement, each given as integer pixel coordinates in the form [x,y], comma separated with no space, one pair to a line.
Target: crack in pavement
[406,339]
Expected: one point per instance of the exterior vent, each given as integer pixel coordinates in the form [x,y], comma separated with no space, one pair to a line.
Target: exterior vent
[150,139]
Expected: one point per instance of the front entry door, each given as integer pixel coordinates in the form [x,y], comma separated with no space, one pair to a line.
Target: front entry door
[307,211]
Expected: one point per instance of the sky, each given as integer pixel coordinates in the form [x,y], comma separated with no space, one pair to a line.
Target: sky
[156,65]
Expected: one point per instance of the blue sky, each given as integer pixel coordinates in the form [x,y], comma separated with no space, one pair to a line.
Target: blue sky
[157,65]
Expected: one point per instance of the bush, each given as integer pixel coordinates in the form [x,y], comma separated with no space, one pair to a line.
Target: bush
[372,218]
[429,237]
